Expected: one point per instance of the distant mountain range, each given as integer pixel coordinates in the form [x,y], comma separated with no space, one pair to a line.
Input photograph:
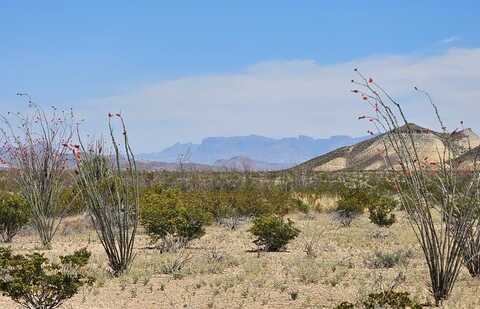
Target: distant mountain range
[244,164]
[260,151]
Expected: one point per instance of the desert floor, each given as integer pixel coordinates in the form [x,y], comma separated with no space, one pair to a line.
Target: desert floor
[223,271]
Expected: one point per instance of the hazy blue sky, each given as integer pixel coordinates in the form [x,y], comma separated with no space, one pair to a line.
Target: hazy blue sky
[183,70]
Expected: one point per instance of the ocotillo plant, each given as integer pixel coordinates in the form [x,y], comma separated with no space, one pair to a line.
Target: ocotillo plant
[440,199]
[33,148]
[110,190]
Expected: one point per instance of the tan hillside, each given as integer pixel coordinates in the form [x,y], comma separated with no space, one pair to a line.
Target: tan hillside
[469,159]
[369,155]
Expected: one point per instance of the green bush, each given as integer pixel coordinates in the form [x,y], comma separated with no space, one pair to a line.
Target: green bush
[14,214]
[165,215]
[34,282]
[273,232]
[381,211]
[386,299]
[390,299]
[352,204]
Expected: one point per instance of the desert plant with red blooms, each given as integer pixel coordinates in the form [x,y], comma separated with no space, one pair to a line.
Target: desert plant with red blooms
[33,148]
[428,189]
[109,187]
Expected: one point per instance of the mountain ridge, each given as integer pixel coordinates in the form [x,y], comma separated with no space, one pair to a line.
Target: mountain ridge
[287,150]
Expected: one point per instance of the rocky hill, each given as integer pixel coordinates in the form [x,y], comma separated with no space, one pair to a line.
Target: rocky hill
[369,155]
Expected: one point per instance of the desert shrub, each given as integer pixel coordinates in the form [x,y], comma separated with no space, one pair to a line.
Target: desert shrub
[390,259]
[164,217]
[345,305]
[273,232]
[176,264]
[302,207]
[352,204]
[34,282]
[390,299]
[14,214]
[385,299]
[381,211]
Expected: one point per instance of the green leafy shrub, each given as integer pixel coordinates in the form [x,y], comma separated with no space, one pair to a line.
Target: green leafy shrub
[381,211]
[34,282]
[14,214]
[390,299]
[351,205]
[273,232]
[165,216]
[385,299]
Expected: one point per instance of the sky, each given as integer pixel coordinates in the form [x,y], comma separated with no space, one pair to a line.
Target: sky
[180,71]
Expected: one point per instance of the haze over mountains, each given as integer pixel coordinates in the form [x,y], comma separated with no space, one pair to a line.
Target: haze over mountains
[265,152]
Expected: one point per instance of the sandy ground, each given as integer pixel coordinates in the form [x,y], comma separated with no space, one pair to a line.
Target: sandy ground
[221,271]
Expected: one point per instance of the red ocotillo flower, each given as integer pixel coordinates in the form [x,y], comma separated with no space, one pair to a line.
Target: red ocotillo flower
[370,80]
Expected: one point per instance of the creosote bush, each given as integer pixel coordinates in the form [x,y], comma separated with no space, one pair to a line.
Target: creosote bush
[34,282]
[351,205]
[390,299]
[381,211]
[165,218]
[273,232]
[385,299]
[14,214]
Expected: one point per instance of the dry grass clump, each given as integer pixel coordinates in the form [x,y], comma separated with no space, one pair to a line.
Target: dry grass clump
[319,203]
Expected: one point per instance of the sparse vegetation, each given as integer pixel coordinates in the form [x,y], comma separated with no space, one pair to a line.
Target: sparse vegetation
[203,223]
